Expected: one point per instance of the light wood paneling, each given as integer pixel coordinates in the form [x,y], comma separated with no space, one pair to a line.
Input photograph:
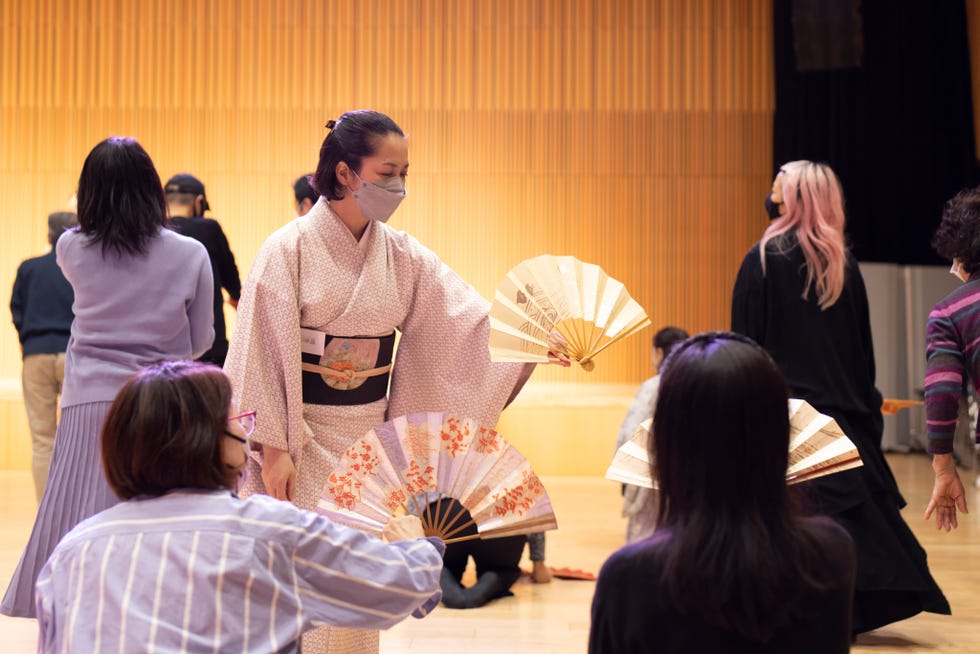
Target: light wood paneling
[629,133]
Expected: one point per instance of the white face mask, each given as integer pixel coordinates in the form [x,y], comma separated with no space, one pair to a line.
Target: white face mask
[378,200]
[958,272]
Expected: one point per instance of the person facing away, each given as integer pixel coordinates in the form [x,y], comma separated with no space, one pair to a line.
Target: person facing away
[733,565]
[40,305]
[186,204]
[800,295]
[637,501]
[952,337]
[142,294]
[195,568]
[313,347]
[306,197]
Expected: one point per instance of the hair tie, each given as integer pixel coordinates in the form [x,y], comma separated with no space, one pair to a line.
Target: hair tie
[331,124]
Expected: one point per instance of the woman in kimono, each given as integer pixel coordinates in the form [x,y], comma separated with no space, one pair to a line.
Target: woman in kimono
[801,296]
[142,294]
[313,347]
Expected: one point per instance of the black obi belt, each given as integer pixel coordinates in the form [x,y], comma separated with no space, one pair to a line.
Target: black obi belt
[350,370]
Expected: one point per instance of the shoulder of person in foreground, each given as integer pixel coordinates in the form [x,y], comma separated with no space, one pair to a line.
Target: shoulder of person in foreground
[833,547]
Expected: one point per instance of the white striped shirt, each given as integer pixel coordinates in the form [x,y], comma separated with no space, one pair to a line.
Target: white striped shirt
[209,572]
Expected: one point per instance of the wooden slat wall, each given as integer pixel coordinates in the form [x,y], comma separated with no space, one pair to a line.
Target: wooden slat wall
[631,133]
[635,134]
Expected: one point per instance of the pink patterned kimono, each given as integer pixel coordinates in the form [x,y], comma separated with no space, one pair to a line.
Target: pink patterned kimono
[313,274]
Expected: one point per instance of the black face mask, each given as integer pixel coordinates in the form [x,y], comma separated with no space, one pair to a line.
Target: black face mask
[772,209]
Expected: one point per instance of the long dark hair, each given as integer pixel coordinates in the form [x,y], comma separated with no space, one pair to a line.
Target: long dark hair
[120,198]
[351,139]
[732,534]
[163,430]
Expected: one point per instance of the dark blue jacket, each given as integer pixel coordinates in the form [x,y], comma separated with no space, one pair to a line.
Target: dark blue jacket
[41,306]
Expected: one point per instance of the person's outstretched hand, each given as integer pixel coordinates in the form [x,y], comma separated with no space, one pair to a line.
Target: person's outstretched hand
[948,493]
[403,527]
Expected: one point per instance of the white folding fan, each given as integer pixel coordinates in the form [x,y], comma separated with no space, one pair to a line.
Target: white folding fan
[551,303]
[817,447]
[404,464]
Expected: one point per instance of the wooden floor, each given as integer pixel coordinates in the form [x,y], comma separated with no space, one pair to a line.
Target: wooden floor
[554,618]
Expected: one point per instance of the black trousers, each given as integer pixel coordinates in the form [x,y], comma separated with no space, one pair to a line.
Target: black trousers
[497,562]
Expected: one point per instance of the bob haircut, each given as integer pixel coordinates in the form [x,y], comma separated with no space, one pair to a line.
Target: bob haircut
[163,430]
[728,524]
[958,235]
[120,198]
[351,139]
[815,215]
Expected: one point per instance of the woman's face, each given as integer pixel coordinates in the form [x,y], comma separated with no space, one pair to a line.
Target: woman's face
[390,159]
[777,188]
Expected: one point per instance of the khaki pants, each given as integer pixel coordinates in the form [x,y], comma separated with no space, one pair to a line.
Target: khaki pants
[41,379]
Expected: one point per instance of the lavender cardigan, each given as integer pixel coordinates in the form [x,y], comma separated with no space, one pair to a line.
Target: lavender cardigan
[132,310]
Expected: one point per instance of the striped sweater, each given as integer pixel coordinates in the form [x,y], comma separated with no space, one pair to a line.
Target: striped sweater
[952,340]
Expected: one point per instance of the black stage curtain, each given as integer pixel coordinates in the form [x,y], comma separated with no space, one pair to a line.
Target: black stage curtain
[880,90]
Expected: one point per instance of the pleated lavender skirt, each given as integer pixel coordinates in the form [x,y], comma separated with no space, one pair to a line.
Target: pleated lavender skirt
[76,490]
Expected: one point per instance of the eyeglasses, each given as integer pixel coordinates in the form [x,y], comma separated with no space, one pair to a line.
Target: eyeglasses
[247,422]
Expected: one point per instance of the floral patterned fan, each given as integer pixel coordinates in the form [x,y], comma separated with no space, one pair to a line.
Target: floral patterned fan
[560,304]
[404,464]
[817,447]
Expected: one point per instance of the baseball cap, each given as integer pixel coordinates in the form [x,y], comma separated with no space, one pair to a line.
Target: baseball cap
[186,183]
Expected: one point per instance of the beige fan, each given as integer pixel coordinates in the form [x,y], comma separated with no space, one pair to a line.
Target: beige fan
[404,464]
[817,447]
[561,304]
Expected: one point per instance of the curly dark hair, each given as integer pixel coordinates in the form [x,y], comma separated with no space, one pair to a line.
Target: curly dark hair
[958,235]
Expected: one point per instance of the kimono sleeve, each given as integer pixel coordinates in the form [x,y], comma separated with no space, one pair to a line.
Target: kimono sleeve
[443,359]
[749,299]
[264,356]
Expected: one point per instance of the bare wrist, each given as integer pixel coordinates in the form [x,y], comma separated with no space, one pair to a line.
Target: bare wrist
[943,463]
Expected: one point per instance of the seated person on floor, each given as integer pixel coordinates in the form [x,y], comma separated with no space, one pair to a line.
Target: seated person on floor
[183,564]
[734,565]
[497,561]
